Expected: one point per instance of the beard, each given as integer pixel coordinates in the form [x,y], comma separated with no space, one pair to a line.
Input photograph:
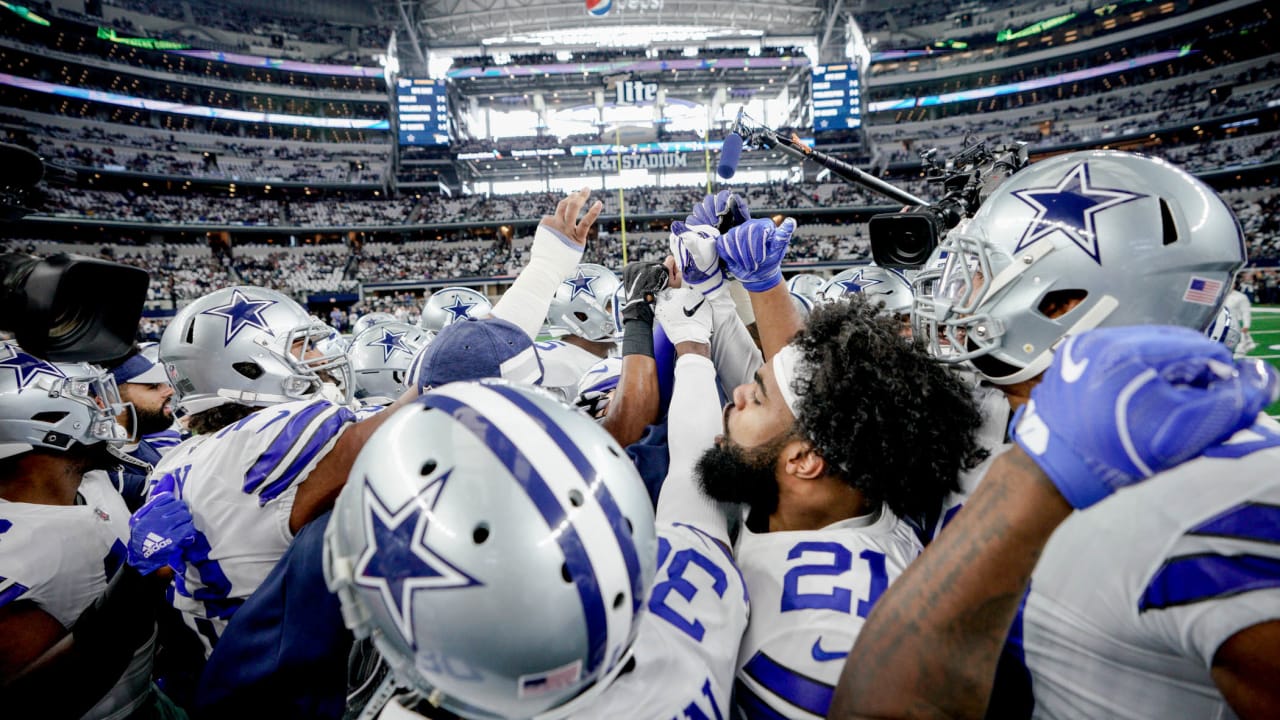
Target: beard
[731,473]
[98,456]
[151,421]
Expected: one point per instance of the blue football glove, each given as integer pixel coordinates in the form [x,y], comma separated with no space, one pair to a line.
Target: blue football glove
[160,531]
[694,248]
[722,211]
[753,252]
[1119,405]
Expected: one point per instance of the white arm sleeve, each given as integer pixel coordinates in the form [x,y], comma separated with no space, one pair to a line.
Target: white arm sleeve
[552,258]
[735,354]
[694,421]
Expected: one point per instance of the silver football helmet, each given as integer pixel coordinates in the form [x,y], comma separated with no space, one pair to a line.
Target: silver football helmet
[251,346]
[380,358]
[368,320]
[803,304]
[1223,329]
[498,547]
[449,305]
[583,304]
[806,285]
[1088,239]
[885,286]
[56,405]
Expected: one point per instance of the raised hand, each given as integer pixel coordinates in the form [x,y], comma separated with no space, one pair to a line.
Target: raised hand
[685,315]
[642,281]
[694,249]
[753,252]
[722,211]
[566,223]
[1119,405]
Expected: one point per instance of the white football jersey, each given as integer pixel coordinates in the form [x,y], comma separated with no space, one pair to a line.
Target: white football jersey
[992,436]
[60,557]
[811,591]
[563,365]
[239,483]
[1133,597]
[687,642]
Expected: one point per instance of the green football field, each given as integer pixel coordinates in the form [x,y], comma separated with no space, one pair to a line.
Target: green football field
[1266,333]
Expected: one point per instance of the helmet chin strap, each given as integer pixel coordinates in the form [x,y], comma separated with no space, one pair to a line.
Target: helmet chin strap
[1091,319]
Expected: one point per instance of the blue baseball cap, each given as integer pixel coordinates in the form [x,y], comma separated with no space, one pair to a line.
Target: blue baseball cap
[476,349]
[141,369]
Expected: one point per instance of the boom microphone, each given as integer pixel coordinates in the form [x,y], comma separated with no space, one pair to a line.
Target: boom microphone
[730,153]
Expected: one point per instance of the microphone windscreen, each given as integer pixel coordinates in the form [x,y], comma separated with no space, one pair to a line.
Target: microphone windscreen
[730,153]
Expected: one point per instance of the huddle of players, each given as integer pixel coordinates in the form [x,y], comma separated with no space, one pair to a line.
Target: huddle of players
[738,579]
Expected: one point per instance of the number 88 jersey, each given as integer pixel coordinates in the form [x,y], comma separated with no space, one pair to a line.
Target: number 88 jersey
[810,593]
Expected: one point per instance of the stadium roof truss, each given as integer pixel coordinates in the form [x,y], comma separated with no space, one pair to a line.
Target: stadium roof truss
[444,23]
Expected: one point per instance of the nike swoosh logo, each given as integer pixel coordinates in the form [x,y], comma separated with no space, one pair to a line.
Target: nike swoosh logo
[688,312]
[1072,371]
[824,656]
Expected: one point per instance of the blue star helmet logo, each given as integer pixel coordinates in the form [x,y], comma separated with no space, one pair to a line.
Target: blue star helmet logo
[240,313]
[1071,207]
[397,562]
[855,283]
[26,368]
[391,343]
[581,284]
[460,310]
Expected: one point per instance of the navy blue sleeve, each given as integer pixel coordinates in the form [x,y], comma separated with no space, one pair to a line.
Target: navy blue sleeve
[649,455]
[284,653]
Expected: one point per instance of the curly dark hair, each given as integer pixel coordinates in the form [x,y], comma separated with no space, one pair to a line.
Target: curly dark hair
[216,418]
[888,419]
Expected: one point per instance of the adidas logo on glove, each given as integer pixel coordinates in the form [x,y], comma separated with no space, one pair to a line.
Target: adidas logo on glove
[154,543]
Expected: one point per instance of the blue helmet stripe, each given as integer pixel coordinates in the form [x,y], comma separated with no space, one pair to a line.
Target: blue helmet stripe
[617,521]
[552,511]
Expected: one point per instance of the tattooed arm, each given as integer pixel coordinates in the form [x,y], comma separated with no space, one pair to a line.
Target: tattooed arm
[935,636]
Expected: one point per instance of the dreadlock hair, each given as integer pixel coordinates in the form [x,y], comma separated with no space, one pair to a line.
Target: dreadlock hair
[887,418]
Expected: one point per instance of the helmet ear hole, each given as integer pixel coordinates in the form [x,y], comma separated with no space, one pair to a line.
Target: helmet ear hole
[1057,303]
[251,370]
[1168,229]
[50,417]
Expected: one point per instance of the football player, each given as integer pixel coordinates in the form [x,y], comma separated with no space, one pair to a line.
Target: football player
[1137,607]
[143,384]
[1123,635]
[64,538]
[273,437]
[587,324]
[828,452]
[502,556]
[380,359]
[888,287]
[450,305]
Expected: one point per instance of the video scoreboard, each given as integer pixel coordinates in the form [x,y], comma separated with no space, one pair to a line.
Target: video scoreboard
[422,111]
[837,98]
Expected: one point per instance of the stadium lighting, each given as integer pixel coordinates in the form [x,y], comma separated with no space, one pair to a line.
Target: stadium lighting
[624,36]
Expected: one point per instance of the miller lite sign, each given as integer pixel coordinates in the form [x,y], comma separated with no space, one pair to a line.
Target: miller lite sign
[635,92]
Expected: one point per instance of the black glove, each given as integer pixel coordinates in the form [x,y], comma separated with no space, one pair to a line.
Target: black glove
[642,282]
